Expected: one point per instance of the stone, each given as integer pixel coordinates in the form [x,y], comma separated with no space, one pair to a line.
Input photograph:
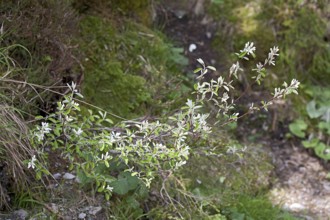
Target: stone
[94,210]
[296,207]
[68,176]
[20,214]
[82,216]
[57,176]
[192,47]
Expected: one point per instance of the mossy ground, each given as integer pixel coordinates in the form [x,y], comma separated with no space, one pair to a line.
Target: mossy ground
[128,66]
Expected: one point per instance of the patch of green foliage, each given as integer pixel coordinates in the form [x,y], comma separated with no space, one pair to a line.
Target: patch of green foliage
[128,67]
[131,71]
[313,127]
[138,10]
[299,28]
[255,208]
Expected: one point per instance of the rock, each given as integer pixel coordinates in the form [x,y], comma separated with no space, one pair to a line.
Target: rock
[296,207]
[180,13]
[57,176]
[192,47]
[54,207]
[20,214]
[82,216]
[68,176]
[94,210]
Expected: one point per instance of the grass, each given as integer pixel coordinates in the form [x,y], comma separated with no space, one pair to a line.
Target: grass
[14,150]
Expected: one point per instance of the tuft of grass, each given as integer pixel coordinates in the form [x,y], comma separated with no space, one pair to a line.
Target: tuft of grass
[14,150]
[255,208]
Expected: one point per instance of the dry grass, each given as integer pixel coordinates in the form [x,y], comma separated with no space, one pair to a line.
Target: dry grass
[14,149]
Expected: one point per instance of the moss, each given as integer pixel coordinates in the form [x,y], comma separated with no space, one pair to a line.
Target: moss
[138,10]
[255,208]
[127,67]
[299,31]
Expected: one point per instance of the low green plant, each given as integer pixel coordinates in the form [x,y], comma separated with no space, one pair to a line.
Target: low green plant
[314,129]
[255,208]
[125,157]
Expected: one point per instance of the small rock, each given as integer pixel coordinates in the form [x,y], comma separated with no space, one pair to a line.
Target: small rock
[94,210]
[68,176]
[20,214]
[54,207]
[180,13]
[208,35]
[296,207]
[57,176]
[192,47]
[82,215]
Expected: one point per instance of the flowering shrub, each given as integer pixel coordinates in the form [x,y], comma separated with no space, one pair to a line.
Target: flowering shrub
[95,147]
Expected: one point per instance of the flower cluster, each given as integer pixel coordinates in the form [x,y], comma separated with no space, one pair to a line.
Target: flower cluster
[41,131]
[270,60]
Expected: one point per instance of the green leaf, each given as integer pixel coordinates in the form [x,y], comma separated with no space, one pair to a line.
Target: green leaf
[197,70]
[312,111]
[320,150]
[310,143]
[39,117]
[124,183]
[298,127]
[324,125]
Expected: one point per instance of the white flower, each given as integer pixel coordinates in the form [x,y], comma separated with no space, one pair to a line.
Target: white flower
[45,127]
[234,68]
[61,106]
[180,164]
[31,164]
[78,132]
[68,118]
[271,56]
[41,131]
[109,188]
[249,48]
[74,104]
[225,97]
[72,87]
[259,67]
[190,103]
[105,156]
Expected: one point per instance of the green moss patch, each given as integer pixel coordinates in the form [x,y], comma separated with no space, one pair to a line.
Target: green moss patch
[127,66]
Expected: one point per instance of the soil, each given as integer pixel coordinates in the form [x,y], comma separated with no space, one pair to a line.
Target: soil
[301,186]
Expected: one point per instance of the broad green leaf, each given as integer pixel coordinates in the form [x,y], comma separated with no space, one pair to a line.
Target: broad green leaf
[324,125]
[313,111]
[124,183]
[310,143]
[320,151]
[298,127]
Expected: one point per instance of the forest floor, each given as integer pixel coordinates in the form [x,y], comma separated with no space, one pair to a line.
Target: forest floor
[301,184]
